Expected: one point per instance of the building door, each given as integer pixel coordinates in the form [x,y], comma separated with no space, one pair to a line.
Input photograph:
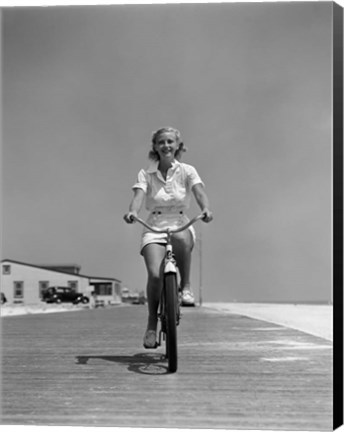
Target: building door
[42,285]
[18,294]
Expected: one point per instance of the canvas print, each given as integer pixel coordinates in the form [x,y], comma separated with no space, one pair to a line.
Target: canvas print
[211,124]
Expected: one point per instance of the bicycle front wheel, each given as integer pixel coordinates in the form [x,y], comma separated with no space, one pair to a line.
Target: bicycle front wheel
[171,298]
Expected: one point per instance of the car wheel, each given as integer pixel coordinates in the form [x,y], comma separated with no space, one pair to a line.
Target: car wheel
[85,300]
[58,300]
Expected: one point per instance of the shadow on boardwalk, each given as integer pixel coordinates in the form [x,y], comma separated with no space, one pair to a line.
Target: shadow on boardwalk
[142,363]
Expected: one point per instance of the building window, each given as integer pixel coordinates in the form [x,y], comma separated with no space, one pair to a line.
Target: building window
[42,285]
[18,289]
[6,269]
[73,285]
[103,289]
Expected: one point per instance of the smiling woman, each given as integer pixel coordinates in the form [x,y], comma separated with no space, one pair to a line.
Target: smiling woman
[166,187]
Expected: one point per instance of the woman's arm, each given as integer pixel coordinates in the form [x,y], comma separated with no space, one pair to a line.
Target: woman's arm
[202,200]
[135,205]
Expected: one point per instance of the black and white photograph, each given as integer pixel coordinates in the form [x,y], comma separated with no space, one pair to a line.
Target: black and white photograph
[167,216]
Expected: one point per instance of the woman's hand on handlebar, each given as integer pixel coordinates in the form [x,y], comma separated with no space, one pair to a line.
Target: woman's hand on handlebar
[130,217]
[207,215]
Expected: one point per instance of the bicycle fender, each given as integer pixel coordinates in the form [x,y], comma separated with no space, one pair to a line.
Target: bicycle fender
[170,267]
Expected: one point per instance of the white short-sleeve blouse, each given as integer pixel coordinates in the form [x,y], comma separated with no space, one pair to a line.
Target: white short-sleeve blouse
[171,194]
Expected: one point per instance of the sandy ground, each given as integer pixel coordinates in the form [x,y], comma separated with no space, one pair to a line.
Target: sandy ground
[9,310]
[312,319]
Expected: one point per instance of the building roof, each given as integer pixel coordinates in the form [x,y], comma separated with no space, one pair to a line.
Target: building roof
[58,271]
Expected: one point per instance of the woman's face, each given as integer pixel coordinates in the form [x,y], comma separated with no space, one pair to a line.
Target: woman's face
[166,145]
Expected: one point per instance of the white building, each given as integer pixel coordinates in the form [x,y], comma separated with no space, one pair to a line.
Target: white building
[23,283]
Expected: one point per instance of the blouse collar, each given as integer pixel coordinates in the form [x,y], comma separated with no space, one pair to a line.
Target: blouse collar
[153,167]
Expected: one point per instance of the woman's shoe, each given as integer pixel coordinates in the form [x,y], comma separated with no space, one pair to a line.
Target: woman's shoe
[149,339]
[188,298]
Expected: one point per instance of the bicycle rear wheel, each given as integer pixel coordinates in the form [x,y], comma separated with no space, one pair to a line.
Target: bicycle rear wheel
[170,298]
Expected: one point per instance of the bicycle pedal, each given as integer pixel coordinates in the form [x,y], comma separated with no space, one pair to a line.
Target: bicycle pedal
[151,347]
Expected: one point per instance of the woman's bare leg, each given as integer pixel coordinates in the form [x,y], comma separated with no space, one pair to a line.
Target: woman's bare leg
[182,247]
[153,254]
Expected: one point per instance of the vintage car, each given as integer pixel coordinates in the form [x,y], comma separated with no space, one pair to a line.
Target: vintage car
[59,294]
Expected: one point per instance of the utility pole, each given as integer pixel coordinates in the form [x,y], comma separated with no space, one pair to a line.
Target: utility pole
[200,267]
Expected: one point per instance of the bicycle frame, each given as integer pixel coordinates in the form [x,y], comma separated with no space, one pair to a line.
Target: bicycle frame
[169,307]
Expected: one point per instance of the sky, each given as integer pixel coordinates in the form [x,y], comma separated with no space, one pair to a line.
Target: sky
[249,87]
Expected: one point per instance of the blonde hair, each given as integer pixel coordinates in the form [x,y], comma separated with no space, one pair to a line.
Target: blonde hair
[154,155]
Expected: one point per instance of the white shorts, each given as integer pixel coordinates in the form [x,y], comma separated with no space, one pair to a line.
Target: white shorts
[163,220]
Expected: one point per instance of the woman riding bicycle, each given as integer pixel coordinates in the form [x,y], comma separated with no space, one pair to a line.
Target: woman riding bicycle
[166,188]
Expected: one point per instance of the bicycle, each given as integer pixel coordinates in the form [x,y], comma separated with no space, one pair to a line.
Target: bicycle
[169,307]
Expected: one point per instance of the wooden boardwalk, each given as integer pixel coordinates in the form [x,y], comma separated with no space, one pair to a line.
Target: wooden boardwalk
[89,368]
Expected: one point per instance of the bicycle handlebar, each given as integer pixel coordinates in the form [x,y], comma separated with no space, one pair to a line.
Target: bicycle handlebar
[169,230]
